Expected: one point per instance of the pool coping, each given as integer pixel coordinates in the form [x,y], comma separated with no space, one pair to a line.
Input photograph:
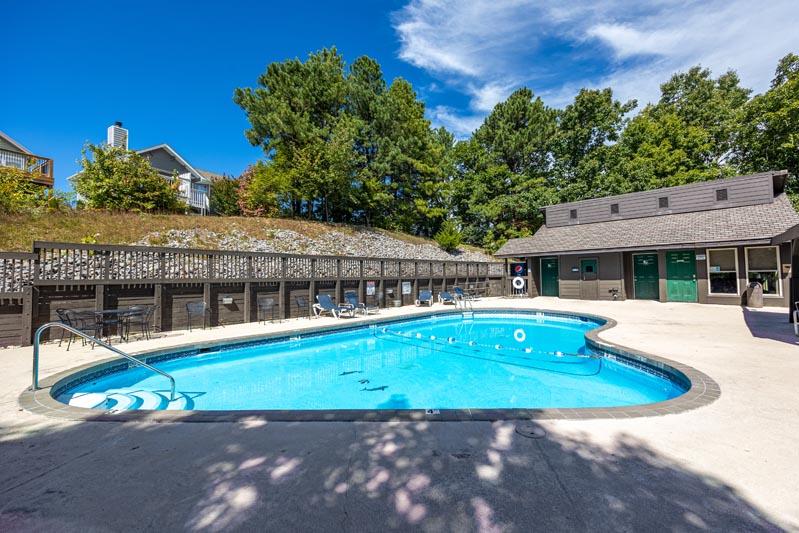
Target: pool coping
[701,389]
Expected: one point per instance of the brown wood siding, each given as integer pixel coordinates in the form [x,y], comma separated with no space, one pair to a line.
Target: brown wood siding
[751,190]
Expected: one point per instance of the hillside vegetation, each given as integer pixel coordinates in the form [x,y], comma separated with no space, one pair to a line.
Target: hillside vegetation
[18,231]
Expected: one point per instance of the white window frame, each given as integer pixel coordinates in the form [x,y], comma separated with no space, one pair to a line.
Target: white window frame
[737,274]
[778,269]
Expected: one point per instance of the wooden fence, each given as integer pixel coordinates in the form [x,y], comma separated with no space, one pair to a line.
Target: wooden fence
[80,276]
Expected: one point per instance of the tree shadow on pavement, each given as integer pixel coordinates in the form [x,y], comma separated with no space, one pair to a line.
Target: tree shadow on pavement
[275,476]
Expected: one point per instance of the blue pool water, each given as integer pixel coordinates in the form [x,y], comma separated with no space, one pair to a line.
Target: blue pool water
[494,360]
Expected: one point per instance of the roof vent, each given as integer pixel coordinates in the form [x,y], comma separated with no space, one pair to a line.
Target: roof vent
[117,136]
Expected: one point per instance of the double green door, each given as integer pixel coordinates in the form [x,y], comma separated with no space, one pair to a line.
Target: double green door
[549,276]
[646,276]
[681,276]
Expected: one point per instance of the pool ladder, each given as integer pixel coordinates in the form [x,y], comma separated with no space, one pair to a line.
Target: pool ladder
[37,341]
[467,309]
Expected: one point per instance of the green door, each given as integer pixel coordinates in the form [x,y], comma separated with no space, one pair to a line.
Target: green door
[645,274]
[681,276]
[549,276]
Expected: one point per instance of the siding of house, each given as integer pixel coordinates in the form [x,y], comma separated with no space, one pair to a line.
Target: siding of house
[163,161]
[610,274]
[746,190]
[5,145]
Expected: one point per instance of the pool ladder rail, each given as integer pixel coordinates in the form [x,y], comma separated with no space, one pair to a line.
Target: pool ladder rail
[37,341]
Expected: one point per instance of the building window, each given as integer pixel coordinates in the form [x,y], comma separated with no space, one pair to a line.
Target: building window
[663,202]
[573,214]
[763,265]
[614,209]
[722,271]
[721,195]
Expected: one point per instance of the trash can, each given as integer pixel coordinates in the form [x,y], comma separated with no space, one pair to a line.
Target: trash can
[754,294]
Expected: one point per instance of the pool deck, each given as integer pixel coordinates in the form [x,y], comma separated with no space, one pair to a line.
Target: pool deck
[729,465]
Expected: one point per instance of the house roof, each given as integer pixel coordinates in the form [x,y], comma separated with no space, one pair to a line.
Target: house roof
[12,142]
[211,175]
[171,151]
[751,224]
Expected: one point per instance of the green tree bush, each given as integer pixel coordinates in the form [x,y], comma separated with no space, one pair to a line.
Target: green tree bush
[113,178]
[18,193]
[448,237]
[224,199]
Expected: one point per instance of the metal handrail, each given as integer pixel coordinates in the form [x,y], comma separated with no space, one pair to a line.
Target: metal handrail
[37,339]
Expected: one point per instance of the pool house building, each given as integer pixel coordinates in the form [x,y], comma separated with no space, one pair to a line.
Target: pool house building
[702,242]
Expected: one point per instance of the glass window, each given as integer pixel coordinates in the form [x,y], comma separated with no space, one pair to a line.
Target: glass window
[663,202]
[763,265]
[722,267]
[573,214]
[614,209]
[721,195]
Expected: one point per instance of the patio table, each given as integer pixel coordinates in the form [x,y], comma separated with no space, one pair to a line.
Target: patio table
[117,317]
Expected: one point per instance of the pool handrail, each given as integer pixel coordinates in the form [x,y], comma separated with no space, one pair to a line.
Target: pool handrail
[37,340]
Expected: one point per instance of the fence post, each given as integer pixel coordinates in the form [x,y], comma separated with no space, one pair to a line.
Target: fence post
[281,288]
[26,336]
[339,299]
[381,294]
[158,301]
[247,301]
[312,283]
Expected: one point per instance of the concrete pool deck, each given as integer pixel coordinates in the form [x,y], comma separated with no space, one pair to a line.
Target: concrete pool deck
[729,465]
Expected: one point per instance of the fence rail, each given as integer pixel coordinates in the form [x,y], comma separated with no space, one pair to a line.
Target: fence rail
[53,263]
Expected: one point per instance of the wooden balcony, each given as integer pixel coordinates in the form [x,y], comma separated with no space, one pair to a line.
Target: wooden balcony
[39,168]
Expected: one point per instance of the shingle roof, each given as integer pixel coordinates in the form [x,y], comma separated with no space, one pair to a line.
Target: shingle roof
[732,225]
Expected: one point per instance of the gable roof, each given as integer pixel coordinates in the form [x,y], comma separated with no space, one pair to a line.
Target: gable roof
[14,143]
[171,151]
[750,224]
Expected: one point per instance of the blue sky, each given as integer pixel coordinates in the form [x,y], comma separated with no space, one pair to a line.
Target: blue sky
[168,69]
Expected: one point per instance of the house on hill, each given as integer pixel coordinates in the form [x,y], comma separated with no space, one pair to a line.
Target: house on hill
[13,154]
[702,242]
[195,185]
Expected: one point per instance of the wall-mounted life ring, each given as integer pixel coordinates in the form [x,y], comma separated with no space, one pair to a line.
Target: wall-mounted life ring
[518,283]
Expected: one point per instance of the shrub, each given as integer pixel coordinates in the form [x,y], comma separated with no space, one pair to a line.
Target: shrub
[114,178]
[262,190]
[225,197]
[448,237]
[19,193]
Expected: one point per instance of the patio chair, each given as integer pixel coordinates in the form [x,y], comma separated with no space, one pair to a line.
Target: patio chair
[444,297]
[425,298]
[302,305]
[326,305]
[352,299]
[266,306]
[141,316]
[796,319]
[84,321]
[197,308]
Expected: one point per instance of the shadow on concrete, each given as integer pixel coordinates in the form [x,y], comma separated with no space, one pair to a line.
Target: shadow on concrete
[278,476]
[770,325]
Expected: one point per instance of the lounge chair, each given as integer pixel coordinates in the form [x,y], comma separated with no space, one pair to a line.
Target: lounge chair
[425,297]
[357,305]
[796,319]
[444,297]
[326,305]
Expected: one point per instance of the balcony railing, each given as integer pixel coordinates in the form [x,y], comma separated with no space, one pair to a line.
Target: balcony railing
[198,199]
[40,168]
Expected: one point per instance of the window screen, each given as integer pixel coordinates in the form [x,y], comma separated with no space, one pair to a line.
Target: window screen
[614,209]
[663,202]
[573,214]
[762,265]
[721,195]
[722,271]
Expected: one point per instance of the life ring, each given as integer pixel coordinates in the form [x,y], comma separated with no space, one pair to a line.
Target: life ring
[518,283]
[519,335]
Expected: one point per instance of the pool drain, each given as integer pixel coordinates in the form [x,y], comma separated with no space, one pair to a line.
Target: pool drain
[531,431]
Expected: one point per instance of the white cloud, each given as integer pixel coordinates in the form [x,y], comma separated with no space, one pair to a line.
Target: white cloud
[462,126]
[485,49]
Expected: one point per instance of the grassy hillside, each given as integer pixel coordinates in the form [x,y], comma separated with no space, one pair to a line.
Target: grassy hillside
[17,232]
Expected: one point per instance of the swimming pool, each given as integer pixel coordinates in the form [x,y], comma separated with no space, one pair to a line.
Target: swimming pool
[484,360]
